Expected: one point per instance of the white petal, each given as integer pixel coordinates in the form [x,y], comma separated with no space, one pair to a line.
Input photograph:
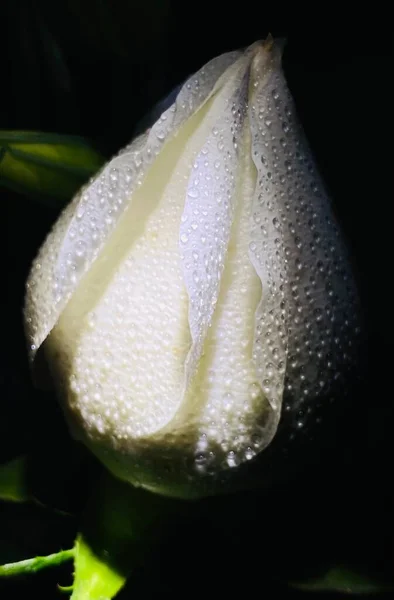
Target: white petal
[122,340]
[81,232]
[308,313]
[209,210]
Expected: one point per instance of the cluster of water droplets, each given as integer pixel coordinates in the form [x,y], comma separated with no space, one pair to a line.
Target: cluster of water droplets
[85,225]
[305,338]
[234,411]
[119,387]
[208,216]
[308,319]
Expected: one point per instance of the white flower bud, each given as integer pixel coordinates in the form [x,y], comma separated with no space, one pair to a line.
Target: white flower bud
[196,285]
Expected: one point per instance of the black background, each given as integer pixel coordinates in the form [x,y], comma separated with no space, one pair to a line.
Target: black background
[94,68]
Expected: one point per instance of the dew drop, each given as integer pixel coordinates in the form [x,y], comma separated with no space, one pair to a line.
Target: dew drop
[114,174]
[201,459]
[232,460]
[249,454]
[160,134]
[256,440]
[193,193]
[80,212]
[254,390]
[228,401]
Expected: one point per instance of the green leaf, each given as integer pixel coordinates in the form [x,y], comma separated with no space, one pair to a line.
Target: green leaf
[13,483]
[94,576]
[46,166]
[120,524]
[18,483]
[344,580]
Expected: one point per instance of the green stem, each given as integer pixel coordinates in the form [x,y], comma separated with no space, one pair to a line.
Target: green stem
[33,565]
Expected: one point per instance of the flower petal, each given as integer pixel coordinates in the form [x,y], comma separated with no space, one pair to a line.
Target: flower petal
[308,316]
[83,228]
[209,210]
